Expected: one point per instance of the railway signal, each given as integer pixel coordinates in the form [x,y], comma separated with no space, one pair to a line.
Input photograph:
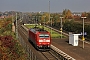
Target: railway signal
[85,33]
[83,38]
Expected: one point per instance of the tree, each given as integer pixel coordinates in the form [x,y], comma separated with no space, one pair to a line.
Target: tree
[45,17]
[84,14]
[88,15]
[67,14]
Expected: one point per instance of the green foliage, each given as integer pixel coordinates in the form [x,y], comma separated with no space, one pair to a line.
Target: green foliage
[67,14]
[7,30]
[18,48]
[87,29]
[1,30]
[9,27]
[88,15]
[71,26]
[10,49]
[8,19]
[74,27]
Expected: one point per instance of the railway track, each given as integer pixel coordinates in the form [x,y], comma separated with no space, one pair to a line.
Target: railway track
[59,53]
[49,55]
[54,53]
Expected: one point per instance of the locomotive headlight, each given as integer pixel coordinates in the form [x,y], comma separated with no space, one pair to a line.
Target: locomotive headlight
[44,40]
[47,40]
[40,40]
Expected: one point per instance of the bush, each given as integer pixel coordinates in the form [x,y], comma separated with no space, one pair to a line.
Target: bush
[10,48]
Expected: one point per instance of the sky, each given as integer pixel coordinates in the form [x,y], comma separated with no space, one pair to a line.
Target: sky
[43,5]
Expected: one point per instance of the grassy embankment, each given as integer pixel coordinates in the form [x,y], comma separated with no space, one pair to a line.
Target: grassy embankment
[10,48]
[54,34]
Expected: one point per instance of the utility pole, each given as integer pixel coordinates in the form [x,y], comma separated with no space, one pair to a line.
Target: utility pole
[49,11]
[61,26]
[51,25]
[33,19]
[40,20]
[83,31]
[22,18]
[51,21]
[44,20]
[36,20]
[13,26]
[16,27]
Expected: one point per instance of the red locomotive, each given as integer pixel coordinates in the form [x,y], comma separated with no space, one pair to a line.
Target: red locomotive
[40,38]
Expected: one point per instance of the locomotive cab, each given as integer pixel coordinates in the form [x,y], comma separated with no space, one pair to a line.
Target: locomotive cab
[44,40]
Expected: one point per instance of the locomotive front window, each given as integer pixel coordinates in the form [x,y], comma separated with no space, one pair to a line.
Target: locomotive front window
[43,35]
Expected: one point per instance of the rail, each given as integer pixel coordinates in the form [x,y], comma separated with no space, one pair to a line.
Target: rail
[31,55]
[49,55]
